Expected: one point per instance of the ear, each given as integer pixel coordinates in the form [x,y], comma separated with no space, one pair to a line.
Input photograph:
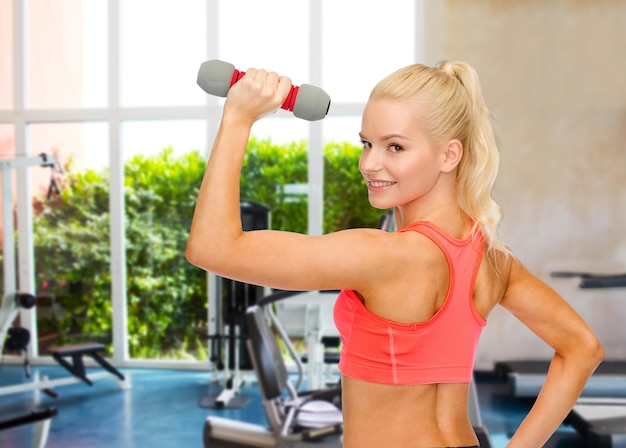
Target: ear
[452,155]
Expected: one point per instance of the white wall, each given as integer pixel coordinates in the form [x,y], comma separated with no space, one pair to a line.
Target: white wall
[553,76]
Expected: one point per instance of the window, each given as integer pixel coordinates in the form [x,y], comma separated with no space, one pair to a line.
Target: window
[71,233]
[114,96]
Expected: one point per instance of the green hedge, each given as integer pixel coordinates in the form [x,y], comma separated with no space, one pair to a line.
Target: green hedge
[167,305]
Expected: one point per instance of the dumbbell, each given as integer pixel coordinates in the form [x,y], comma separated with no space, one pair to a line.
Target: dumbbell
[308,102]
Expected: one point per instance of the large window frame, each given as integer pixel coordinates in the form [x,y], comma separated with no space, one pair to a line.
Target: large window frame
[114,115]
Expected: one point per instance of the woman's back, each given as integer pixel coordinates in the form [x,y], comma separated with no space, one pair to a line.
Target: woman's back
[433,414]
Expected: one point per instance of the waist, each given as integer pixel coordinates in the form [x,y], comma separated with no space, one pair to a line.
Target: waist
[385,415]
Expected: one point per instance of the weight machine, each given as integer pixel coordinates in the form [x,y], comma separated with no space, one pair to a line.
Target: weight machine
[16,303]
[228,332]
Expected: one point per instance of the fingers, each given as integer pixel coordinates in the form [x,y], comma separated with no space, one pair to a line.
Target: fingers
[268,85]
[259,93]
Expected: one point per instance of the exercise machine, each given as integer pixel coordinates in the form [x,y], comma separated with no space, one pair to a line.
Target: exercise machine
[17,338]
[589,280]
[14,303]
[526,377]
[601,422]
[227,325]
[295,419]
[40,418]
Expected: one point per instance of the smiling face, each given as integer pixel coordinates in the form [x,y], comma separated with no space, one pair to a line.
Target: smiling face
[399,163]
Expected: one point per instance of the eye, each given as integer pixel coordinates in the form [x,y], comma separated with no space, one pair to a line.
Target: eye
[394,148]
[366,144]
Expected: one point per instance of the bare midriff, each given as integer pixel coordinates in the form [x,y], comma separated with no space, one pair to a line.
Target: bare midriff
[420,416]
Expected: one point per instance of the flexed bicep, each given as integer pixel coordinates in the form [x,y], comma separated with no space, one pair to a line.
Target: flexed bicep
[342,260]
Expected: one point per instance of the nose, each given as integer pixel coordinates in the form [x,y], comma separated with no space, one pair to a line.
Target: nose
[370,161]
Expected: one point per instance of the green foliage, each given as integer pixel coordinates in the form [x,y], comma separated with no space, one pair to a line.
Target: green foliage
[267,170]
[345,196]
[167,303]
[166,296]
[72,254]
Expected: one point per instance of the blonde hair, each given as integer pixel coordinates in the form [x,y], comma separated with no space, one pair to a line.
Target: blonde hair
[451,106]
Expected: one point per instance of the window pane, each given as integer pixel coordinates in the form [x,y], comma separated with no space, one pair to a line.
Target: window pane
[66,54]
[275,171]
[276,37]
[167,297]
[159,63]
[71,236]
[7,151]
[272,34]
[342,129]
[377,38]
[6,54]
[7,141]
[149,138]
[281,130]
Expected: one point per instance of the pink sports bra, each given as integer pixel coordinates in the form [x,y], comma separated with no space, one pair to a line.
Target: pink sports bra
[439,350]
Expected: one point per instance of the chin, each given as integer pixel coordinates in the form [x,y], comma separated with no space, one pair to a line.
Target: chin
[380,205]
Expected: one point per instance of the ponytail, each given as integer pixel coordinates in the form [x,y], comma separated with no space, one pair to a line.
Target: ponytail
[452,107]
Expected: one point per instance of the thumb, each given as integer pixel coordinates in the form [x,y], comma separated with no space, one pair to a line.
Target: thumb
[284,87]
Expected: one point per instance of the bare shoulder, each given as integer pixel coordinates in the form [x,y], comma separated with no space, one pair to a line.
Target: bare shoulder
[492,280]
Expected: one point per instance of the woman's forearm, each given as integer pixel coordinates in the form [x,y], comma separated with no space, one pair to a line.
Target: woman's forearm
[563,385]
[216,219]
[216,224]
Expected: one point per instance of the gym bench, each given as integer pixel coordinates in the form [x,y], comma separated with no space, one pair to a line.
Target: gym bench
[77,367]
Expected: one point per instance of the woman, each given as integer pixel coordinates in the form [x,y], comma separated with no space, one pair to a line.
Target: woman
[413,302]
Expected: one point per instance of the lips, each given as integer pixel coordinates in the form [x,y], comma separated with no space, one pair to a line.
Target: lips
[379,185]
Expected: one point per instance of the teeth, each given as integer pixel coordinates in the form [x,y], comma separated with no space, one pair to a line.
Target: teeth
[380,183]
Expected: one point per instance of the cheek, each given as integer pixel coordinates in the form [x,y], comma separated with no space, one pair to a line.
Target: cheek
[417,176]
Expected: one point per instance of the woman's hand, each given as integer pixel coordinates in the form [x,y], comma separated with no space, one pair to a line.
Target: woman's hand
[259,93]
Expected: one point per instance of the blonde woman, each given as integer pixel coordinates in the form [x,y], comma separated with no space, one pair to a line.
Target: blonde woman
[412,302]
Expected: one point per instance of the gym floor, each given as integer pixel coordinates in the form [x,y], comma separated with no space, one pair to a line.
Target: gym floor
[162,409]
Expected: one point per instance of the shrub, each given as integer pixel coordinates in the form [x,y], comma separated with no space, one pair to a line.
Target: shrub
[166,296]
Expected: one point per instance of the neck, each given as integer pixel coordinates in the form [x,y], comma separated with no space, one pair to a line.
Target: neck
[446,215]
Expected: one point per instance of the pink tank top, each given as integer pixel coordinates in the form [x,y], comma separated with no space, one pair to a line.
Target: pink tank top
[439,350]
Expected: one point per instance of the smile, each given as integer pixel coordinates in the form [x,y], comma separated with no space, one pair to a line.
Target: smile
[377,184]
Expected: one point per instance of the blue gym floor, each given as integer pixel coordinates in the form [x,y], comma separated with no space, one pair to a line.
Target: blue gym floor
[161,409]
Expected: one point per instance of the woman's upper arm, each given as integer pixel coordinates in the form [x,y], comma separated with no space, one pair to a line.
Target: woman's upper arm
[342,260]
[545,312]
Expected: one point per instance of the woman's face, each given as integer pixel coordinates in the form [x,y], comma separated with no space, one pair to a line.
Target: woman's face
[399,164]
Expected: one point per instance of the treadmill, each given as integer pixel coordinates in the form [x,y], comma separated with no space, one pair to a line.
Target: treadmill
[601,422]
[599,416]
[526,377]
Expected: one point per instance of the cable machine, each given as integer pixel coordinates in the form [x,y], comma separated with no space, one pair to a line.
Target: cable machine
[15,302]
[228,302]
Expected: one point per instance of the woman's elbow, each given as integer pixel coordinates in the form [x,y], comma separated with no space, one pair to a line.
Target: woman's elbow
[598,352]
[192,254]
[196,254]
[591,350]
[206,255]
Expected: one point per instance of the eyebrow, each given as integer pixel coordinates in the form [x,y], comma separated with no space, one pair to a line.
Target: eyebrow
[387,137]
